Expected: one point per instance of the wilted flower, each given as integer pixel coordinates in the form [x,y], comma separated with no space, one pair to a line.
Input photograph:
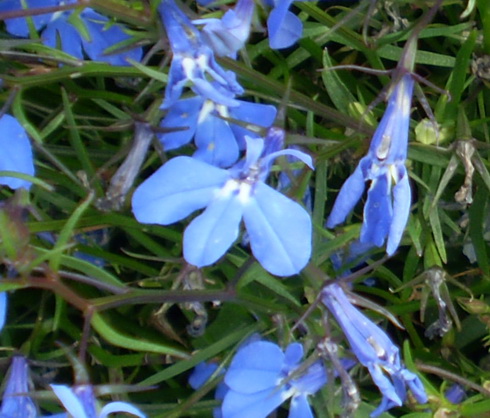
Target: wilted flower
[218,140]
[79,402]
[98,34]
[193,61]
[279,228]
[386,211]
[455,394]
[228,34]
[16,152]
[15,401]
[374,350]
[261,377]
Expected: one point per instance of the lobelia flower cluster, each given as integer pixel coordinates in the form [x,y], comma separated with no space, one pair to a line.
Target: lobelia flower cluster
[226,177]
[201,100]
[256,385]
[75,33]
[279,228]
[79,401]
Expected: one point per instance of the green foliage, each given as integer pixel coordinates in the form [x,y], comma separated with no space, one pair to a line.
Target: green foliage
[145,317]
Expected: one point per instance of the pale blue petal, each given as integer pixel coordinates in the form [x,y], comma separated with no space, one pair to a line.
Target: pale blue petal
[215,142]
[385,385]
[113,407]
[177,189]
[15,405]
[293,355]
[300,408]
[312,380]
[176,82]
[70,401]
[102,38]
[402,199]
[209,235]
[201,374]
[279,230]
[285,28]
[255,114]
[300,155]
[16,152]
[349,195]
[18,26]
[255,368]
[3,309]
[63,33]
[182,34]
[256,405]
[208,90]
[378,211]
[417,388]
[182,114]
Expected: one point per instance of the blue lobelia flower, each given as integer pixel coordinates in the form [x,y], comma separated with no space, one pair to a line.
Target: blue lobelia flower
[193,61]
[279,228]
[16,154]
[228,34]
[15,401]
[261,377]
[374,350]
[57,28]
[218,140]
[80,402]
[386,211]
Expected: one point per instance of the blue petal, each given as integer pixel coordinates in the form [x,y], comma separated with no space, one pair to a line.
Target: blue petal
[201,374]
[256,405]
[3,309]
[389,143]
[300,155]
[182,114]
[255,114]
[209,235]
[18,26]
[349,195]
[228,34]
[385,385]
[70,401]
[61,31]
[416,386]
[16,152]
[176,82]
[402,199]
[255,368]
[182,34]
[15,405]
[215,142]
[177,189]
[112,407]
[293,355]
[209,91]
[312,380]
[102,38]
[378,211]
[279,230]
[285,28]
[300,408]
